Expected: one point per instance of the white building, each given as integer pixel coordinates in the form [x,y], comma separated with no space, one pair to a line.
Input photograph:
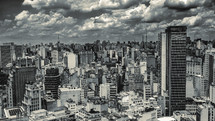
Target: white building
[44,115]
[42,52]
[194,65]
[205,112]
[183,116]
[32,98]
[108,91]
[196,86]
[163,62]
[212,93]
[143,67]
[10,90]
[190,91]
[167,119]
[147,91]
[55,56]
[97,105]
[71,106]
[84,115]
[72,60]
[15,113]
[200,85]
[68,92]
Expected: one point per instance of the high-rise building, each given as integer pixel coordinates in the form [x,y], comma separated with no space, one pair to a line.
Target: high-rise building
[32,98]
[9,52]
[18,51]
[194,65]
[205,112]
[5,55]
[147,91]
[212,93]
[52,81]
[42,52]
[3,99]
[20,76]
[173,67]
[108,91]
[163,62]
[85,57]
[72,60]
[208,68]
[55,56]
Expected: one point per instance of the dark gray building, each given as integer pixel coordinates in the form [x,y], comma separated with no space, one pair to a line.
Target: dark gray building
[173,67]
[21,76]
[52,81]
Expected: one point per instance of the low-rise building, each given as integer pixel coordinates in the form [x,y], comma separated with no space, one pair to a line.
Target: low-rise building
[44,115]
[91,115]
[67,92]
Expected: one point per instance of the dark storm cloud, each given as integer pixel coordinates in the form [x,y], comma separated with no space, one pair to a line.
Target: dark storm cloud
[10,8]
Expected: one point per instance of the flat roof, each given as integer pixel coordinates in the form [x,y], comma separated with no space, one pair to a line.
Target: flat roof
[166,119]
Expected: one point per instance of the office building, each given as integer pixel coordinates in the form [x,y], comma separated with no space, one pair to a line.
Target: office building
[6,55]
[147,91]
[55,56]
[18,78]
[71,60]
[32,98]
[52,81]
[3,99]
[173,66]
[108,91]
[208,67]
[85,57]
[205,112]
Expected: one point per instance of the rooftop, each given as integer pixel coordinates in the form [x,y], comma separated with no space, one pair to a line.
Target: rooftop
[166,119]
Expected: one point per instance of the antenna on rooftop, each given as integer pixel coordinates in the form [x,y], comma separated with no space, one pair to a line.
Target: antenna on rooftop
[146,35]
[58,37]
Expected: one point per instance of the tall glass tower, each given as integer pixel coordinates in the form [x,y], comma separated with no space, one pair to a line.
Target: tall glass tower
[173,67]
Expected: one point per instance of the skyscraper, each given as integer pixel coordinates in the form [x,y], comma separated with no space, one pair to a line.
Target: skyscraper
[21,75]
[9,52]
[52,81]
[32,98]
[6,54]
[173,67]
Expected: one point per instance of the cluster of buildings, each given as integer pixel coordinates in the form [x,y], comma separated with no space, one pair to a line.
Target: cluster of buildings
[172,79]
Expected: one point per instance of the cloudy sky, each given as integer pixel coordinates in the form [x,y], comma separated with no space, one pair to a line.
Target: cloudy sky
[79,21]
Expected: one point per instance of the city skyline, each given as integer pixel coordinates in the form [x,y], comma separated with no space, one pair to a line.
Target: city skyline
[70,21]
[168,80]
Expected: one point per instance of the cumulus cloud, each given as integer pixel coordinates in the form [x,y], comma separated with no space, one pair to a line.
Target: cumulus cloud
[44,23]
[82,5]
[5,22]
[100,22]
[118,3]
[86,5]
[184,4]
[109,18]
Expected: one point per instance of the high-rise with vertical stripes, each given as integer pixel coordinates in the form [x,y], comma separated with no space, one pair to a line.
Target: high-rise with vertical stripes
[173,67]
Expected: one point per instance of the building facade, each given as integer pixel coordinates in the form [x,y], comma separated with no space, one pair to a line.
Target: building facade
[173,66]
[52,81]
[32,98]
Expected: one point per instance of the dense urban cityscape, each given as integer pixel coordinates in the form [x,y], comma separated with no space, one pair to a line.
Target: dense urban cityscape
[107,60]
[171,79]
